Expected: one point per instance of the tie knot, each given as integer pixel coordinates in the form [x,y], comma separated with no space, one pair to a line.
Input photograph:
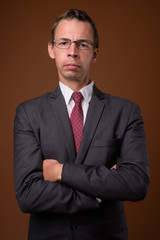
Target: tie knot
[77,97]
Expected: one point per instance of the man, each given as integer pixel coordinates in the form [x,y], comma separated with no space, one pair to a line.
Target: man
[76,161]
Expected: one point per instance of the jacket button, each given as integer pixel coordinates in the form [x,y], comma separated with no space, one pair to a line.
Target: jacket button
[73,227]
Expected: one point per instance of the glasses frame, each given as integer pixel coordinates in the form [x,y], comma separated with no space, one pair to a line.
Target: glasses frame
[76,42]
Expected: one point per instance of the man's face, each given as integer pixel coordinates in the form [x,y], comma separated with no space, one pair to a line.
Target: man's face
[73,64]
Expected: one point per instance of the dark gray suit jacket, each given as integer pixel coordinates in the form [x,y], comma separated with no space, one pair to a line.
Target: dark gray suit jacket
[113,134]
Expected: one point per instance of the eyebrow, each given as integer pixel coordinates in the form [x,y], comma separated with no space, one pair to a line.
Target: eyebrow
[81,40]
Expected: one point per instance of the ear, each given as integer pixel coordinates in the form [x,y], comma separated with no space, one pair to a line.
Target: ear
[51,51]
[95,54]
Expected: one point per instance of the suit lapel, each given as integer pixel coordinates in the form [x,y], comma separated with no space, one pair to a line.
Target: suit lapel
[60,111]
[95,111]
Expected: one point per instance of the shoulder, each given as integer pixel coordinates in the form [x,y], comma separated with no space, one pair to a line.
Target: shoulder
[111,99]
[116,104]
[118,101]
[36,102]
[34,105]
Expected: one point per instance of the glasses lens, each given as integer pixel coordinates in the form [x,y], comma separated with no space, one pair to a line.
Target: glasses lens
[80,44]
[84,45]
[62,43]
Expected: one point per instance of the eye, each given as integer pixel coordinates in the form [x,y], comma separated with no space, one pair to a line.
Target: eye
[83,45]
[62,43]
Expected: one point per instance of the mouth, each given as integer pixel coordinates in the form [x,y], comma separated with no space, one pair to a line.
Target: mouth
[72,66]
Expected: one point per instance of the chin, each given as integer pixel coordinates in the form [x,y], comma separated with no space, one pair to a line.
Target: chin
[73,78]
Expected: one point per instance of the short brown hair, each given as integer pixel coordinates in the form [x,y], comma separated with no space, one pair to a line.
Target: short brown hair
[79,15]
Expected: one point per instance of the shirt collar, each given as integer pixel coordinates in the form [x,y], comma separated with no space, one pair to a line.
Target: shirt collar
[87,92]
[67,92]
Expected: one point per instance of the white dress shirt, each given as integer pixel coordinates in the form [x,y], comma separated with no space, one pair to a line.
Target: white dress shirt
[86,92]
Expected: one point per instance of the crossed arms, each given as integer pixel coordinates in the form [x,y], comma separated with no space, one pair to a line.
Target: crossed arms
[49,186]
[52,170]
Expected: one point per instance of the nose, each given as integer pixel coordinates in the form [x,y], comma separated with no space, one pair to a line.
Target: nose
[73,51]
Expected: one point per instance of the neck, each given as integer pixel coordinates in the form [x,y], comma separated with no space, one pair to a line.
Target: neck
[75,85]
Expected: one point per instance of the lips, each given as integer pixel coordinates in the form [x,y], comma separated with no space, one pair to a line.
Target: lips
[72,66]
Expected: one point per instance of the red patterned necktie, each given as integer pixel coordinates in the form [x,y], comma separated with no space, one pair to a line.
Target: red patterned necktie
[77,119]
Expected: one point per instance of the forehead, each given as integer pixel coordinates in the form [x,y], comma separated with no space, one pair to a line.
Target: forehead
[74,29]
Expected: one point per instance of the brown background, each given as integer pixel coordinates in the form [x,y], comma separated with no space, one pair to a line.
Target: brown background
[127,66]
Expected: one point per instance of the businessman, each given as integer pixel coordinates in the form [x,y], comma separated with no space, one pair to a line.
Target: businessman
[78,152]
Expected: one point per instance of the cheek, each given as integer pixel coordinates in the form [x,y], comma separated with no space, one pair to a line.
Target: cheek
[88,61]
[59,59]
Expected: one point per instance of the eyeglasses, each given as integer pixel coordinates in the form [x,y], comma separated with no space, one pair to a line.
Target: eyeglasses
[65,43]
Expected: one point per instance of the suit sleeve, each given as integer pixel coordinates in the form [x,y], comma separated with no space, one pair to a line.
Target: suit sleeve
[33,193]
[131,178]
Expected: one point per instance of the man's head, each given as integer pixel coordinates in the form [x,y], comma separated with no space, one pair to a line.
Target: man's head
[74,46]
[78,15]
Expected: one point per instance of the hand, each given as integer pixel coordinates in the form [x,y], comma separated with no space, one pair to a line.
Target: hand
[114,167]
[52,170]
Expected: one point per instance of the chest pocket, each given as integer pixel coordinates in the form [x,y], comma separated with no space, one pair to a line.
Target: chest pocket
[104,152]
[107,142]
